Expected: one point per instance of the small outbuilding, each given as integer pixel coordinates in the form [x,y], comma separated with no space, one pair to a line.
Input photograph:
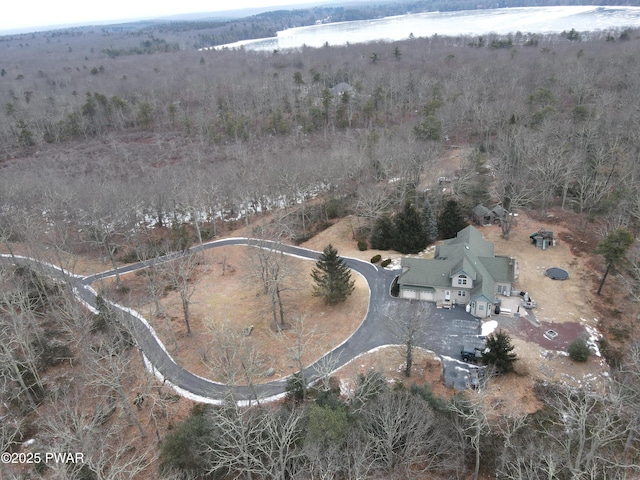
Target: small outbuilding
[500,214]
[481,215]
[542,239]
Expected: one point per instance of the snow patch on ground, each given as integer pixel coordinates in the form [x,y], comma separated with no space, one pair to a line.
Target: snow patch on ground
[489,327]
[594,337]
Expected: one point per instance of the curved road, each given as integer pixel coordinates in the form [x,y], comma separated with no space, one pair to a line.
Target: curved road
[447,330]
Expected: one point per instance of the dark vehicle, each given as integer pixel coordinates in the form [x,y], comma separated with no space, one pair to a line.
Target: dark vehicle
[471,354]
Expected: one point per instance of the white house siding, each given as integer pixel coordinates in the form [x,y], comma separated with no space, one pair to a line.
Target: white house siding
[462,297]
[480,309]
[465,281]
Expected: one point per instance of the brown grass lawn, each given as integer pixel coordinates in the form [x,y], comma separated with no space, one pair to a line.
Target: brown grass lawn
[236,301]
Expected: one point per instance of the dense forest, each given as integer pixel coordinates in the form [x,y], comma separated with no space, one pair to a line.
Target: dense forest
[110,140]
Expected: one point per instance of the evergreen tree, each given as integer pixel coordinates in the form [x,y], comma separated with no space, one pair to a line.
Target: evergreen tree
[430,222]
[499,352]
[451,220]
[332,277]
[383,234]
[579,350]
[410,235]
[104,316]
[614,249]
[182,448]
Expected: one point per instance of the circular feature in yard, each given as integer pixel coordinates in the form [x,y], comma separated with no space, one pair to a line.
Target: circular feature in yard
[556,273]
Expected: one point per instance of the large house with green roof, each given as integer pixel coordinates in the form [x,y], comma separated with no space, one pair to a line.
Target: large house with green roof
[464,271]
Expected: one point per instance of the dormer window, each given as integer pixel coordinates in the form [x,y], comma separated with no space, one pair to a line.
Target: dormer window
[462,279]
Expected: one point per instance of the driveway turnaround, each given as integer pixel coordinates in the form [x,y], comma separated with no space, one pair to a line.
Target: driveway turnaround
[445,330]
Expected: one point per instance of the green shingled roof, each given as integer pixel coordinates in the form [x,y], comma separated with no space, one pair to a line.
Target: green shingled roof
[468,253]
[473,238]
[425,273]
[501,269]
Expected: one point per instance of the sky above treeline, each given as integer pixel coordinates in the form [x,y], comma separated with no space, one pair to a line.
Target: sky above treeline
[20,16]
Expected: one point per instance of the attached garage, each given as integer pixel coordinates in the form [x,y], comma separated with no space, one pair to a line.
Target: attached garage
[427,295]
[408,293]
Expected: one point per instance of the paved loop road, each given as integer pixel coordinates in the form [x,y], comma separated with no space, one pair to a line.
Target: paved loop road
[444,337]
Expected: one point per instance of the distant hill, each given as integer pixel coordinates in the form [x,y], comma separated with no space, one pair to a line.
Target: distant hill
[268,23]
[218,28]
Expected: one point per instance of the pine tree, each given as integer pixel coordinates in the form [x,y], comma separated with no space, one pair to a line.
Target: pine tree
[104,316]
[499,352]
[410,232]
[332,277]
[614,248]
[430,222]
[383,233]
[579,350]
[451,220]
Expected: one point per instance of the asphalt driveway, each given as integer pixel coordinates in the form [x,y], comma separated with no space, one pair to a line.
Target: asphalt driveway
[445,331]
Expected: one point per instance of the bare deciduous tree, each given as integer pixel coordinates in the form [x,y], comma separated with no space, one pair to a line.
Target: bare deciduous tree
[233,356]
[513,185]
[303,336]
[474,421]
[325,366]
[407,324]
[106,453]
[403,434]
[255,442]
[273,268]
[110,371]
[183,275]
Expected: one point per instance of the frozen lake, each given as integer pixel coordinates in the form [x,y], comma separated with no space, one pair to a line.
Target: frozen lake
[470,22]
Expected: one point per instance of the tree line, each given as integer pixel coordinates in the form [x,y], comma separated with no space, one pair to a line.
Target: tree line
[44,335]
[408,432]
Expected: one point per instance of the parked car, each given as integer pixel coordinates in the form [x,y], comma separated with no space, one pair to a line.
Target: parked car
[471,354]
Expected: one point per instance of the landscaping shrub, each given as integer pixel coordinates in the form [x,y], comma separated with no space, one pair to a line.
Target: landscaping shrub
[376,258]
[385,262]
[579,350]
[296,387]
[362,245]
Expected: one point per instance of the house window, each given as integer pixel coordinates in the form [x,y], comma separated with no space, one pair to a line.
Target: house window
[462,293]
[481,306]
[462,280]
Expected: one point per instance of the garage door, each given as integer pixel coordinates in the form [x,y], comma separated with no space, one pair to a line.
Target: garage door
[427,296]
[409,293]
